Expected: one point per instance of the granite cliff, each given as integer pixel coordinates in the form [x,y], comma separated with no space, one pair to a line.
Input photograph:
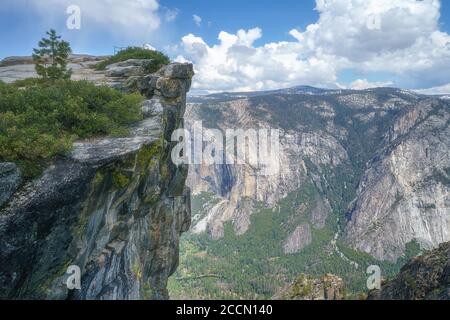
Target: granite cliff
[404,194]
[114,207]
[391,145]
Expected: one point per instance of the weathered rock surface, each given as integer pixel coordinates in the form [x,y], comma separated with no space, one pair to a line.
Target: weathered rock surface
[298,240]
[320,213]
[19,68]
[10,179]
[404,194]
[115,208]
[328,287]
[426,277]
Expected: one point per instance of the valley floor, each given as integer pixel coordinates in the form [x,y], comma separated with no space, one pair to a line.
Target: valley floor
[254,266]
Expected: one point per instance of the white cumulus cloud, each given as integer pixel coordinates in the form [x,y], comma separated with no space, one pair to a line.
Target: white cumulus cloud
[235,64]
[401,38]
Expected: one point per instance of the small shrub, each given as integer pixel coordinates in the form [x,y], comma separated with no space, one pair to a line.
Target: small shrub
[159,59]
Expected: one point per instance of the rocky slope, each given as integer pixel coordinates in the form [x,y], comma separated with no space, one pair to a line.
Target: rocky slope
[115,207]
[426,277]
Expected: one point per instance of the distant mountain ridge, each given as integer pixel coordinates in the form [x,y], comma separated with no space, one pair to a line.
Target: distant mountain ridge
[234,95]
[300,89]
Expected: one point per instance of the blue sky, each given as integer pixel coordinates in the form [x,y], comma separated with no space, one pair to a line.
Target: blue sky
[281,43]
[17,21]
[276,18]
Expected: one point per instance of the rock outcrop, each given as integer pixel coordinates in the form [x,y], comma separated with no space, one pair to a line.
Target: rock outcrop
[115,207]
[328,287]
[298,240]
[426,277]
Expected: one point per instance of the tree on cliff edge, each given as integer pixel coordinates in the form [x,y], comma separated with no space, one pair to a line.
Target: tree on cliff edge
[51,57]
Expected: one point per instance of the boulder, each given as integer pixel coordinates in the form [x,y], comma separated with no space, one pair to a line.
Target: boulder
[179,71]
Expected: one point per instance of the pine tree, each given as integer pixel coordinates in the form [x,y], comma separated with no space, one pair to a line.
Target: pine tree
[51,57]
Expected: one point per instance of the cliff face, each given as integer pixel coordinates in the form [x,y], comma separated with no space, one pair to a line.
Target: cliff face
[115,207]
[379,158]
[423,278]
[404,195]
[237,189]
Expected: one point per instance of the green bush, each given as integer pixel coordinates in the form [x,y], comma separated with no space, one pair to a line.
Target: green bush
[39,119]
[159,59]
[28,82]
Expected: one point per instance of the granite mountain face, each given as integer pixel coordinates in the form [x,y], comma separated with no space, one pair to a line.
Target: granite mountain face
[404,193]
[364,179]
[393,144]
